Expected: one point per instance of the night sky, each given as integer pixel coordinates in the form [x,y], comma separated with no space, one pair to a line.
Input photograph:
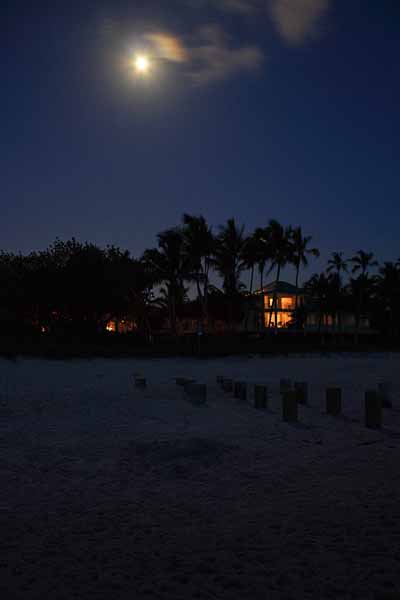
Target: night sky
[257,109]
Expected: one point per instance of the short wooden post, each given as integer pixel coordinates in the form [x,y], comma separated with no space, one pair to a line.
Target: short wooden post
[334,401]
[289,406]
[227,385]
[373,409]
[196,392]
[182,381]
[140,382]
[260,397]
[301,389]
[285,385]
[385,392]
[237,388]
[243,391]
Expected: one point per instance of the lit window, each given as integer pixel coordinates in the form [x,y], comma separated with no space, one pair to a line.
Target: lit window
[268,301]
[287,303]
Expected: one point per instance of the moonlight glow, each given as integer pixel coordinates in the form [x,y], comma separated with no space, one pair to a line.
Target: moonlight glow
[142,65]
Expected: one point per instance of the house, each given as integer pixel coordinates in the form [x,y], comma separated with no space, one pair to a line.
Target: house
[263,314]
[121,325]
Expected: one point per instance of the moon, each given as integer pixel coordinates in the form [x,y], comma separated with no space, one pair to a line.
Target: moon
[142,64]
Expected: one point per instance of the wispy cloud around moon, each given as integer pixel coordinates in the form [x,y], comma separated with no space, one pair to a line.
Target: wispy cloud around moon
[208,54]
[168,46]
[215,59]
[298,20]
[295,20]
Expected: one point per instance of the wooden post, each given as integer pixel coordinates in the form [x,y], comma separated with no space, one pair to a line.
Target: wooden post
[334,401]
[182,381]
[237,389]
[260,397]
[285,385]
[220,379]
[227,385]
[140,382]
[373,409]
[301,389]
[243,391]
[196,392]
[289,406]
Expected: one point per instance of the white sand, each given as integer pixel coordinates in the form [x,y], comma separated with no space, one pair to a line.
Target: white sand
[111,492]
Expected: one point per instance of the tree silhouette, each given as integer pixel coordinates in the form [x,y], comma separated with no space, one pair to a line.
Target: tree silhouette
[387,295]
[336,266]
[198,245]
[250,257]
[300,253]
[320,292]
[362,262]
[168,265]
[281,253]
[229,262]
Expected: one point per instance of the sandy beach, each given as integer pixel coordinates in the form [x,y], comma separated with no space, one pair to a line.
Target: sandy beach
[111,491]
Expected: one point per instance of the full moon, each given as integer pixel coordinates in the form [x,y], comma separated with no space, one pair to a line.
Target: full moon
[142,64]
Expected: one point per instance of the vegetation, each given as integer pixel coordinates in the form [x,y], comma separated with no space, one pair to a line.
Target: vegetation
[74,289]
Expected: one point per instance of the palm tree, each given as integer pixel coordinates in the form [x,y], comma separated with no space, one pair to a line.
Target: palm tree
[263,241]
[387,288]
[336,266]
[229,261]
[250,257]
[319,289]
[198,244]
[281,252]
[300,253]
[257,252]
[362,261]
[167,263]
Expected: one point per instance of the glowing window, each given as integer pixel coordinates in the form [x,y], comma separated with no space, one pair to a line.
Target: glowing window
[268,300]
[287,303]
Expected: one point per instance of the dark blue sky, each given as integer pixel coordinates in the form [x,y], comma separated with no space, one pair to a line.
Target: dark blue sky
[255,113]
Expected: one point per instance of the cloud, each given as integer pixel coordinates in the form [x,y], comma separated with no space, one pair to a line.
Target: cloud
[168,46]
[214,58]
[207,56]
[298,20]
[248,7]
[244,7]
[295,20]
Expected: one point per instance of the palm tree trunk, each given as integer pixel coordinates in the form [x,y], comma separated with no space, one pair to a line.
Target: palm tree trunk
[246,320]
[172,310]
[297,285]
[200,299]
[274,307]
[271,308]
[360,304]
[205,292]
[320,325]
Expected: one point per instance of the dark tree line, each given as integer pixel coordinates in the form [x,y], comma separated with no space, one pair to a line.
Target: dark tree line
[76,288]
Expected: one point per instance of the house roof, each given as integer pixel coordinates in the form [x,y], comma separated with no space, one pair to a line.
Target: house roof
[280,287]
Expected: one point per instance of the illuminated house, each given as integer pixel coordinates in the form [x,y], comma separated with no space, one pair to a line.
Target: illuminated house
[261,313]
[282,312]
[121,326]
